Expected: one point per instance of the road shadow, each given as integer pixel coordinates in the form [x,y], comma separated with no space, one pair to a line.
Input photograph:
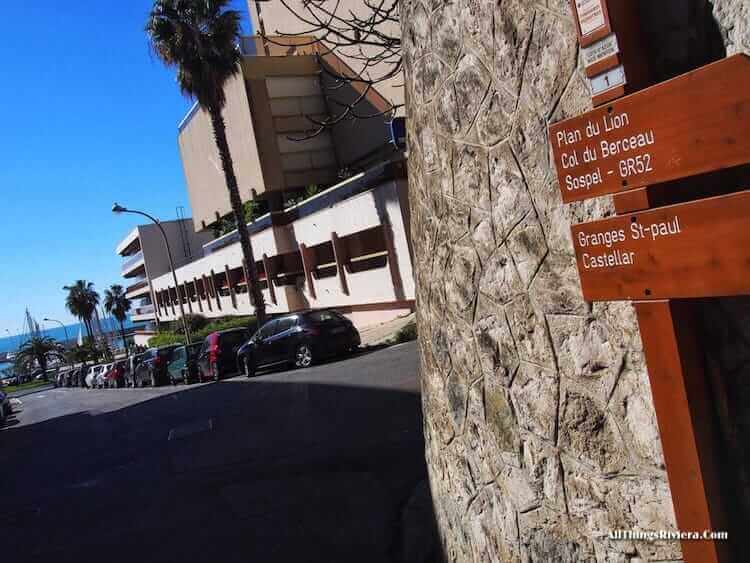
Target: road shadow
[258,470]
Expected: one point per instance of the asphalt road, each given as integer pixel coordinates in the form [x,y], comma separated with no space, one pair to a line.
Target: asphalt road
[320,465]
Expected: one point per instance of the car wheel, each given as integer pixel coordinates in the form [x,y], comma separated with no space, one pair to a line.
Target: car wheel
[153,380]
[215,373]
[249,367]
[303,357]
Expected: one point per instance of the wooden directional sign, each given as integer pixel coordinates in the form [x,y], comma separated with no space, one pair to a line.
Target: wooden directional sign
[696,123]
[696,249]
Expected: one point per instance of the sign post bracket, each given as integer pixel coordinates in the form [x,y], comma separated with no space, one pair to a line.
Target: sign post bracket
[682,402]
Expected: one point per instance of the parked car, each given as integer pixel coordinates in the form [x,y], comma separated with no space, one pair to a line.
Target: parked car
[152,370]
[91,375]
[218,355]
[184,365]
[99,378]
[5,407]
[132,366]
[79,377]
[115,377]
[299,340]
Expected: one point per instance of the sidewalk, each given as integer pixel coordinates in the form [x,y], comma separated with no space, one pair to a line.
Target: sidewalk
[24,392]
[381,333]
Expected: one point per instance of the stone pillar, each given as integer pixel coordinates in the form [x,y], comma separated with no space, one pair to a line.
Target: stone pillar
[187,297]
[539,425]
[207,292]
[198,295]
[230,285]
[308,265]
[215,290]
[246,273]
[398,284]
[171,301]
[269,278]
[341,257]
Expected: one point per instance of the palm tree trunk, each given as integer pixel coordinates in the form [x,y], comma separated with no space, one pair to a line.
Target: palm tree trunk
[122,332]
[87,324]
[220,136]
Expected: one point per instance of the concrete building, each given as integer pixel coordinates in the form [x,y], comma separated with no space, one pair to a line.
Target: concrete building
[267,110]
[278,19]
[347,247]
[145,258]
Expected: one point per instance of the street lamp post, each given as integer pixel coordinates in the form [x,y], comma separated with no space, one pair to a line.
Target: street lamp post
[120,209]
[67,338]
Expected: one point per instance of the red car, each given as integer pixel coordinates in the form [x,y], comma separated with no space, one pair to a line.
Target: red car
[115,378]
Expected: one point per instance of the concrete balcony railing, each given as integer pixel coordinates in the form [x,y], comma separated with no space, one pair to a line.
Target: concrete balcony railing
[136,287]
[132,262]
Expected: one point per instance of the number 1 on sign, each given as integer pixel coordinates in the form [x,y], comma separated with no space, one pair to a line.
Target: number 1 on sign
[610,79]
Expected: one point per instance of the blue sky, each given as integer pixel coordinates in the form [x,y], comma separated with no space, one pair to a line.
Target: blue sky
[89,116]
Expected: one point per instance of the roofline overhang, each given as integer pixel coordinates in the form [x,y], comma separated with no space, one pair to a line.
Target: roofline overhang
[129,239]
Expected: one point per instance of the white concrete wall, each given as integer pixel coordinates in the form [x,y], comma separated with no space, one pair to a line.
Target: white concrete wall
[366,289]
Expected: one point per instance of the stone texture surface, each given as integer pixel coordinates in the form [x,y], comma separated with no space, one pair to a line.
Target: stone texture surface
[541,433]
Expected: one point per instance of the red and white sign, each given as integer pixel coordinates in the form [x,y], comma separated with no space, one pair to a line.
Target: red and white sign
[590,16]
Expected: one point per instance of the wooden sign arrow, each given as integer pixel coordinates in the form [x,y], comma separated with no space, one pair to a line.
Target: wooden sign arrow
[691,250]
[689,125]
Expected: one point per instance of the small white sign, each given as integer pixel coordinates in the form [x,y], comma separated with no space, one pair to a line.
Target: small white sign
[590,16]
[600,50]
[608,80]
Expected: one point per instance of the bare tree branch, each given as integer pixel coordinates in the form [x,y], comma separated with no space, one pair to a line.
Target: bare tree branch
[368,38]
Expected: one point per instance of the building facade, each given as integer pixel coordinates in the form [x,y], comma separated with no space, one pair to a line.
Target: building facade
[347,247]
[145,259]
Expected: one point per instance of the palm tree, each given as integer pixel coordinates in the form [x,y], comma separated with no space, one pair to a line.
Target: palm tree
[200,39]
[38,351]
[117,305]
[82,301]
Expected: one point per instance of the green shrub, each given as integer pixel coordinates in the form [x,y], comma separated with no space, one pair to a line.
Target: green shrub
[195,322]
[225,324]
[169,337]
[406,334]
[166,339]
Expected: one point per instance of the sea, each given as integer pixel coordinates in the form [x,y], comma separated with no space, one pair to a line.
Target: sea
[11,343]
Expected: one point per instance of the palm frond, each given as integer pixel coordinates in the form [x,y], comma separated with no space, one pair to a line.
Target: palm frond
[200,38]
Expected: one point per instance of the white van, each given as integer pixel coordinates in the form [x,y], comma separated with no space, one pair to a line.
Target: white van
[91,376]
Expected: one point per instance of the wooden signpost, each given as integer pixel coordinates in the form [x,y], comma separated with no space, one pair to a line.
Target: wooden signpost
[692,124]
[690,250]
[662,257]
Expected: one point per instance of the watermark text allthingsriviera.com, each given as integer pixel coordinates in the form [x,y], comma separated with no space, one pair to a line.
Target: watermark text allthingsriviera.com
[658,535]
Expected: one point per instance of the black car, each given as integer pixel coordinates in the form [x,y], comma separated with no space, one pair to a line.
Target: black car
[218,355]
[152,368]
[298,339]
